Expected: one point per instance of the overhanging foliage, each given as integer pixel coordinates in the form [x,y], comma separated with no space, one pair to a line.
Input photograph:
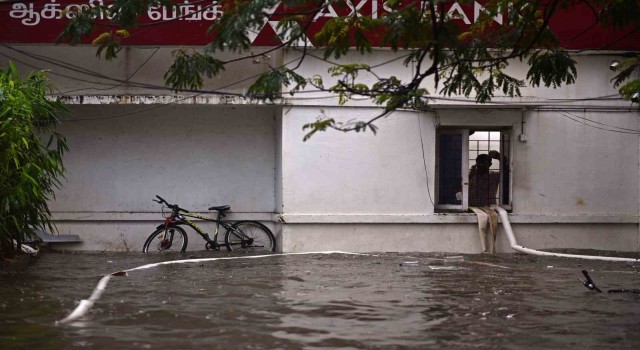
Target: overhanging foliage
[469,61]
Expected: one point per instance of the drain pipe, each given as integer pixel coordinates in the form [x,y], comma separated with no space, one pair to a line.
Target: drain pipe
[514,245]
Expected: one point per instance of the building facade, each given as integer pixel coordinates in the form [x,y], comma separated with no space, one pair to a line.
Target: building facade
[569,158]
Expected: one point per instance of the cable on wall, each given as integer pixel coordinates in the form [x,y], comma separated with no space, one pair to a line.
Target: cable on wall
[424,160]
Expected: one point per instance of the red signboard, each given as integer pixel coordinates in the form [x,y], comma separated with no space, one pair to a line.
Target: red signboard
[42,21]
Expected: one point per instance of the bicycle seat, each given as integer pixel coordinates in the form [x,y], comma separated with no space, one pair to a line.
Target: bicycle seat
[220,208]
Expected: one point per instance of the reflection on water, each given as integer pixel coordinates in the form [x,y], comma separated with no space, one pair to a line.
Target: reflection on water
[321,301]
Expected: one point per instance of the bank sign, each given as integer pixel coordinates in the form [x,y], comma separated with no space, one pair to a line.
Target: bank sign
[41,21]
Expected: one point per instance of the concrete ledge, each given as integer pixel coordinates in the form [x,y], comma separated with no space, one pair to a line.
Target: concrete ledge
[452,218]
[49,238]
[195,99]
[454,237]
[150,216]
[444,218]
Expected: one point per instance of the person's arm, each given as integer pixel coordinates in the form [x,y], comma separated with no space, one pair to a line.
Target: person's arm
[496,155]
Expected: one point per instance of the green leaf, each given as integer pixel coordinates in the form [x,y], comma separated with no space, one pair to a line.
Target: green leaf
[630,89]
[321,124]
[551,68]
[188,69]
[268,86]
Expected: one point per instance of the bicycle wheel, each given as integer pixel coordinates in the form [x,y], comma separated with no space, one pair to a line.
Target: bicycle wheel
[249,236]
[173,239]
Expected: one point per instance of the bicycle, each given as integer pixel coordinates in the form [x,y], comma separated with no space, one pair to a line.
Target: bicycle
[246,234]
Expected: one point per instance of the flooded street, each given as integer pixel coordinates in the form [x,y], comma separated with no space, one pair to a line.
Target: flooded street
[333,301]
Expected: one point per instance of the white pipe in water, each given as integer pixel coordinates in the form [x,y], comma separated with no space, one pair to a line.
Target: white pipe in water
[514,245]
[85,305]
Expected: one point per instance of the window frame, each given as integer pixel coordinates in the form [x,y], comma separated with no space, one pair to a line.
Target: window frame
[464,132]
[465,174]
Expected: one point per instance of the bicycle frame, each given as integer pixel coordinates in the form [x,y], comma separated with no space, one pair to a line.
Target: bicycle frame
[179,217]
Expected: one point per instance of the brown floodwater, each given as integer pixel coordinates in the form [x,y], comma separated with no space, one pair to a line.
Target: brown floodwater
[336,301]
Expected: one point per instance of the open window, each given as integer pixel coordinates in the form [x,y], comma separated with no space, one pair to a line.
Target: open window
[473,168]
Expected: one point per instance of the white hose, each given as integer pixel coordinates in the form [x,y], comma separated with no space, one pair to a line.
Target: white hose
[514,245]
[85,305]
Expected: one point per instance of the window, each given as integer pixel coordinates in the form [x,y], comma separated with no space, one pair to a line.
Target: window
[473,168]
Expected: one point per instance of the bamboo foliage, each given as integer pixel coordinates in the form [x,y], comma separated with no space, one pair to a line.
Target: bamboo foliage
[31,153]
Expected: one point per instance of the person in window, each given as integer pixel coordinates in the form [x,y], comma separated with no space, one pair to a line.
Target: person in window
[504,165]
[483,183]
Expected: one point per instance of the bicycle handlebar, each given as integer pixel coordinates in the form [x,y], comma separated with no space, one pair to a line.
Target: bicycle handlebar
[172,206]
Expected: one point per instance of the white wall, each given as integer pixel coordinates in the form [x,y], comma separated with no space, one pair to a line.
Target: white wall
[593,79]
[567,167]
[357,173]
[75,70]
[197,156]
